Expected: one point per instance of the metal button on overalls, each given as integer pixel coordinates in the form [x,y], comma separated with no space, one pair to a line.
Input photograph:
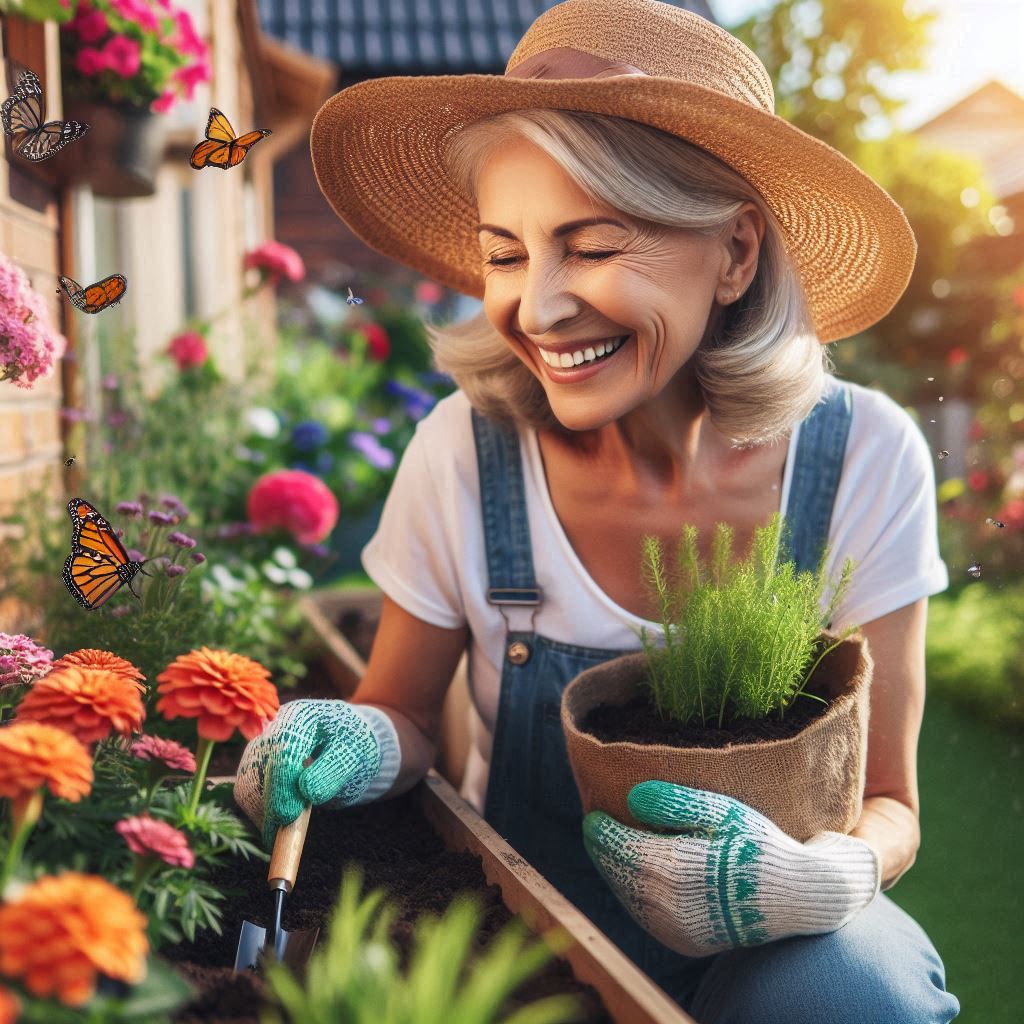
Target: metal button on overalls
[518,653]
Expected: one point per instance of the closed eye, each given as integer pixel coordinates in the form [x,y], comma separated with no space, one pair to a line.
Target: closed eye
[590,257]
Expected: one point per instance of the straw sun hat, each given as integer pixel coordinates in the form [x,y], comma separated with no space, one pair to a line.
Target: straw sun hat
[377,149]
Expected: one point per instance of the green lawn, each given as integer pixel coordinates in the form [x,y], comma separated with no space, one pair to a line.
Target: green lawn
[965,888]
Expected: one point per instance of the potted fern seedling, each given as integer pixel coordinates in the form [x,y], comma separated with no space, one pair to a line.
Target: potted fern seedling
[751,695]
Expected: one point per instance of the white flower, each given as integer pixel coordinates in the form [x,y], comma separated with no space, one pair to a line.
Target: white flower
[263,421]
[285,557]
[300,579]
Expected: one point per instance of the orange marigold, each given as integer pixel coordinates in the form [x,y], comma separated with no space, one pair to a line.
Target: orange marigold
[91,657]
[224,691]
[33,754]
[10,1006]
[62,930]
[89,703]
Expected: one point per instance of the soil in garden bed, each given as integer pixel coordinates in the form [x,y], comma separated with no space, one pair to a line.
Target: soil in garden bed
[358,628]
[399,851]
[639,721]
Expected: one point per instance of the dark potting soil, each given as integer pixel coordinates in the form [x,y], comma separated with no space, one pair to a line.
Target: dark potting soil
[639,721]
[358,628]
[397,850]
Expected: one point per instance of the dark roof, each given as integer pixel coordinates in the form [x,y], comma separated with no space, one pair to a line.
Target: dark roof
[371,38]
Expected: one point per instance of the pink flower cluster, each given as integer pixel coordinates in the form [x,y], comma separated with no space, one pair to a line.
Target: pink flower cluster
[29,345]
[188,349]
[128,27]
[22,660]
[276,260]
[293,499]
[169,752]
[148,837]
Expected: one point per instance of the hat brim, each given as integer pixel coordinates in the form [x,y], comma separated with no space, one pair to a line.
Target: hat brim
[377,145]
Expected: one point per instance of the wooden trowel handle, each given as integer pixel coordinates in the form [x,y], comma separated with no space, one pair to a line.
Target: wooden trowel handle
[284,861]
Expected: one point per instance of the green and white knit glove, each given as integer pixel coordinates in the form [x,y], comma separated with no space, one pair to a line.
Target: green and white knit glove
[355,752]
[731,877]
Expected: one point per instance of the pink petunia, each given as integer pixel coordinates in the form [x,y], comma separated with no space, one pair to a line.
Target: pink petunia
[276,260]
[89,24]
[123,56]
[188,350]
[90,61]
[148,837]
[188,41]
[295,500]
[164,102]
[192,75]
[137,11]
[29,345]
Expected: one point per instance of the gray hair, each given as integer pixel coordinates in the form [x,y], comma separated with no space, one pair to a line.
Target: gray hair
[761,368]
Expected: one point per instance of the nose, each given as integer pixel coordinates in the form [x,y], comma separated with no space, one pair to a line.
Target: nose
[544,301]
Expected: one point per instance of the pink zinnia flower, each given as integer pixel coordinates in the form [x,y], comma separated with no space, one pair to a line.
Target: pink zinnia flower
[188,349]
[148,837]
[22,660]
[295,500]
[123,56]
[29,345]
[90,61]
[170,752]
[378,341]
[276,261]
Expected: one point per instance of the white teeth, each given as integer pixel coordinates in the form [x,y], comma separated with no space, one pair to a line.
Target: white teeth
[587,355]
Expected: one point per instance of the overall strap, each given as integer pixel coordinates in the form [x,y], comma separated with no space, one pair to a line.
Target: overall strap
[506,529]
[818,466]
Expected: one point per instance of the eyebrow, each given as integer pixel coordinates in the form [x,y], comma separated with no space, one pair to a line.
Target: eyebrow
[564,229]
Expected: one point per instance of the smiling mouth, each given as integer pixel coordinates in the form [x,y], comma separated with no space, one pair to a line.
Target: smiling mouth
[554,360]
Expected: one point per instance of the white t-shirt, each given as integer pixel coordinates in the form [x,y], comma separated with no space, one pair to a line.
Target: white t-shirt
[428,553]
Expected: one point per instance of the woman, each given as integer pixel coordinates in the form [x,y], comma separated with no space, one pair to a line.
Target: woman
[645,219]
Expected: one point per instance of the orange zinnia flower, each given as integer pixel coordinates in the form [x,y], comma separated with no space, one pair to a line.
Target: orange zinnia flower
[10,1006]
[61,931]
[90,657]
[90,703]
[33,755]
[224,691]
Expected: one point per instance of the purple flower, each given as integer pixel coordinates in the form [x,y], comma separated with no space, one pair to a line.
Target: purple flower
[433,377]
[129,508]
[181,539]
[417,403]
[143,496]
[319,550]
[136,555]
[381,425]
[110,382]
[75,415]
[198,557]
[175,570]
[309,435]
[169,501]
[22,660]
[376,454]
[117,419]
[161,518]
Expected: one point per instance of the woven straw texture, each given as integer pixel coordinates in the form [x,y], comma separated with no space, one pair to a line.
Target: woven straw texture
[377,153]
[805,784]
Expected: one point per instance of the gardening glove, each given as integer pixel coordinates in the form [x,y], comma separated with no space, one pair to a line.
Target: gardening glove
[731,878]
[355,755]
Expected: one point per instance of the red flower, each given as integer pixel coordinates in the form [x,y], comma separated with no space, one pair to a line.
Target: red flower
[956,356]
[977,480]
[295,500]
[378,340]
[90,24]
[188,349]
[90,61]
[147,837]
[276,261]
[123,56]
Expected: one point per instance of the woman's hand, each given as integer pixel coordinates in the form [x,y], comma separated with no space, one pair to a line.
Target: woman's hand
[730,878]
[343,740]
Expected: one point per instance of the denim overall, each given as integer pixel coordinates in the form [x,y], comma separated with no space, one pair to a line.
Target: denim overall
[532,800]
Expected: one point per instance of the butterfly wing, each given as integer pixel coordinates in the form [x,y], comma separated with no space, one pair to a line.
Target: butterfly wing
[218,128]
[91,579]
[22,111]
[74,292]
[241,146]
[105,293]
[208,154]
[53,136]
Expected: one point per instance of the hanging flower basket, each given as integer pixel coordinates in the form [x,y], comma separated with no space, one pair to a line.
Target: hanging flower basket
[120,155]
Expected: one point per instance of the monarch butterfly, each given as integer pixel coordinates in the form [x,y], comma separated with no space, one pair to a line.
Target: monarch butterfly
[220,148]
[23,110]
[98,565]
[96,297]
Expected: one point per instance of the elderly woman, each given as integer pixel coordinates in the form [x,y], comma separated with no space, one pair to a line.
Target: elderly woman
[660,259]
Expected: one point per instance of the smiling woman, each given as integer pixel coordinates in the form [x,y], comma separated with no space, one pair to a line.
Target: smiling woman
[759,364]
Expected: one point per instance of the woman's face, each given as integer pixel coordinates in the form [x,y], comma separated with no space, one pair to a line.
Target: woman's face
[557,288]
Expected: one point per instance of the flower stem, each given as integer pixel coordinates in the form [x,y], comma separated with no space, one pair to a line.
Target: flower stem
[25,813]
[203,752]
[145,868]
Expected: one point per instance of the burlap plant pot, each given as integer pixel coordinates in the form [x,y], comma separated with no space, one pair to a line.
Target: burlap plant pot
[805,784]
